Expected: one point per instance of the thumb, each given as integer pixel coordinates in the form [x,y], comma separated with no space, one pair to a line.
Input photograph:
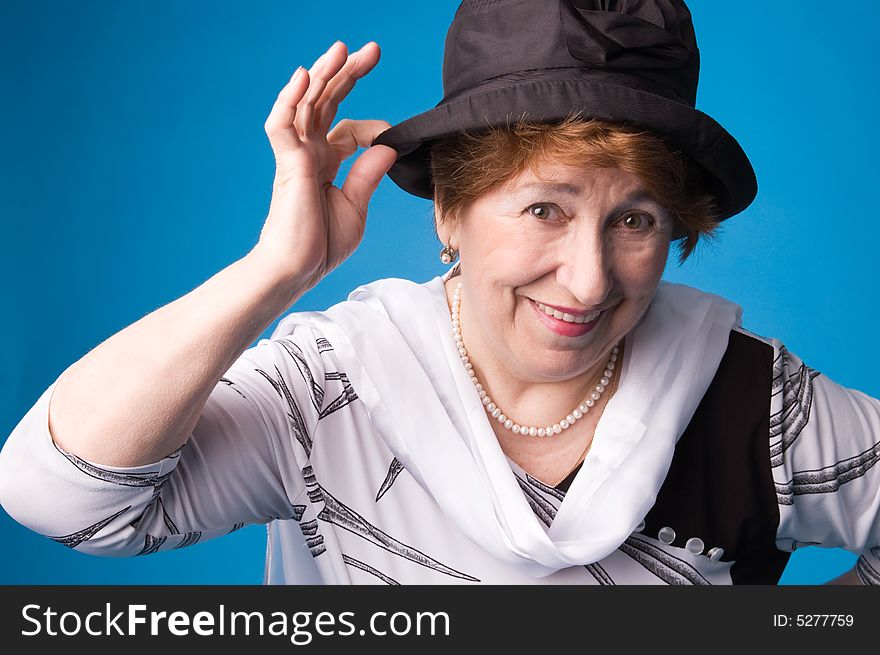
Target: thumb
[366,173]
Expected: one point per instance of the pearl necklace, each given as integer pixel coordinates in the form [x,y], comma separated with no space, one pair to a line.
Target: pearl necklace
[495,411]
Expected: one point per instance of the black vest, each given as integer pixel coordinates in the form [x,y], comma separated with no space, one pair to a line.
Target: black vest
[719,487]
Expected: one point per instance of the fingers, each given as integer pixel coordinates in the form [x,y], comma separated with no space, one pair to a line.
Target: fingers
[365,175]
[310,100]
[348,135]
[279,124]
[320,74]
[357,65]
[368,169]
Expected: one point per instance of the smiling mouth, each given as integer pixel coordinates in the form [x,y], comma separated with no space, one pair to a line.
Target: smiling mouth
[568,318]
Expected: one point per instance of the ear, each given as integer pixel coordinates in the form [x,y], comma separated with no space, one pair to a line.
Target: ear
[446,227]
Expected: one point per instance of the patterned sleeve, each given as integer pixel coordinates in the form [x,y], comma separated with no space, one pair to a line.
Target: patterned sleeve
[824,449]
[242,464]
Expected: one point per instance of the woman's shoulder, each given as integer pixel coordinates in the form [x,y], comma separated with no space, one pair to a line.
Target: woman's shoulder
[783,363]
[747,333]
[754,340]
[380,312]
[685,298]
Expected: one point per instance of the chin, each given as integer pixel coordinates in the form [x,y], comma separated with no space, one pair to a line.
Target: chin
[556,365]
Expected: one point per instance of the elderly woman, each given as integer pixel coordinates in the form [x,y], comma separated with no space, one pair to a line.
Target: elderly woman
[546,411]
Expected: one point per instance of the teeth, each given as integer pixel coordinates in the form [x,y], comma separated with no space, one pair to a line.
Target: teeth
[568,318]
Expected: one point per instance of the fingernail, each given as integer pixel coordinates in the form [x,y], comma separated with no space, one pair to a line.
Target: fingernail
[297,73]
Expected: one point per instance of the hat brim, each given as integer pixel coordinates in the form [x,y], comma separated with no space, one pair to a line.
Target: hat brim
[729,173]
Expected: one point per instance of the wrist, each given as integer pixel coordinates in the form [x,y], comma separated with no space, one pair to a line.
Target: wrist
[278,288]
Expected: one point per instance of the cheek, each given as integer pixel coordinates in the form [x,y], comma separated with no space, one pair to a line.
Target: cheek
[639,271]
[506,258]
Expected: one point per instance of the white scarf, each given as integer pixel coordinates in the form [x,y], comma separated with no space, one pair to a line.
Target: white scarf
[394,339]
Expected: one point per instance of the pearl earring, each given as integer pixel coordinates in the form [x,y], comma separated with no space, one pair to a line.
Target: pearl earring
[447,255]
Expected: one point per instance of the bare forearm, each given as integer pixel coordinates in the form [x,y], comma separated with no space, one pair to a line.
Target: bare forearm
[137,396]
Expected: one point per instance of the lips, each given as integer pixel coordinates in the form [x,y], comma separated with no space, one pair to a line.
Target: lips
[575,326]
[566,316]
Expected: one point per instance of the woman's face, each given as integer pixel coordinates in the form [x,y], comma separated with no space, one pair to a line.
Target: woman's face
[588,241]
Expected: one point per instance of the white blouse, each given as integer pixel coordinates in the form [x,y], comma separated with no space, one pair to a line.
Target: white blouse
[358,437]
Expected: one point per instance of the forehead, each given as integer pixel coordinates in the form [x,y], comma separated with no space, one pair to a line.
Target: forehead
[575,180]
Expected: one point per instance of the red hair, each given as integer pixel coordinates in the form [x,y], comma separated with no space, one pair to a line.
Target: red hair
[471,163]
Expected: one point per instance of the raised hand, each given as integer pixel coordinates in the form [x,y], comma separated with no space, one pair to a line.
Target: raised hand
[313,226]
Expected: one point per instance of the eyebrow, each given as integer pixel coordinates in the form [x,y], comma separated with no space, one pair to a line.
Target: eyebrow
[572,190]
[561,187]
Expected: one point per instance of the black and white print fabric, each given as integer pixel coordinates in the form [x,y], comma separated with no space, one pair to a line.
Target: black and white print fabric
[825,447]
[286,440]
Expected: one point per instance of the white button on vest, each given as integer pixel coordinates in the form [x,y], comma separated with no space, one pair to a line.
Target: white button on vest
[715,554]
[666,535]
[695,545]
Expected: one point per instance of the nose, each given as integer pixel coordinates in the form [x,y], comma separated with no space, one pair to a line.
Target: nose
[585,268]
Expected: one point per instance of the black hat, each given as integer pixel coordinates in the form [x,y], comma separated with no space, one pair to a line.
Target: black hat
[631,61]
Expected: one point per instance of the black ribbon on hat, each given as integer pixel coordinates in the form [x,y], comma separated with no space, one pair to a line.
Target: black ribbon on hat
[652,39]
[649,44]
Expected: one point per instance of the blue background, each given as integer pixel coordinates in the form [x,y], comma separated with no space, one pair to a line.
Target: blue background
[135,167]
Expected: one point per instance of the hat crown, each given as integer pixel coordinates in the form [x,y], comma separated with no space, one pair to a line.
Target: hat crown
[630,62]
[648,44]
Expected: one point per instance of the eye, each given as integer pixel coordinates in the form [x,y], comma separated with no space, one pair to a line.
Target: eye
[635,222]
[541,210]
